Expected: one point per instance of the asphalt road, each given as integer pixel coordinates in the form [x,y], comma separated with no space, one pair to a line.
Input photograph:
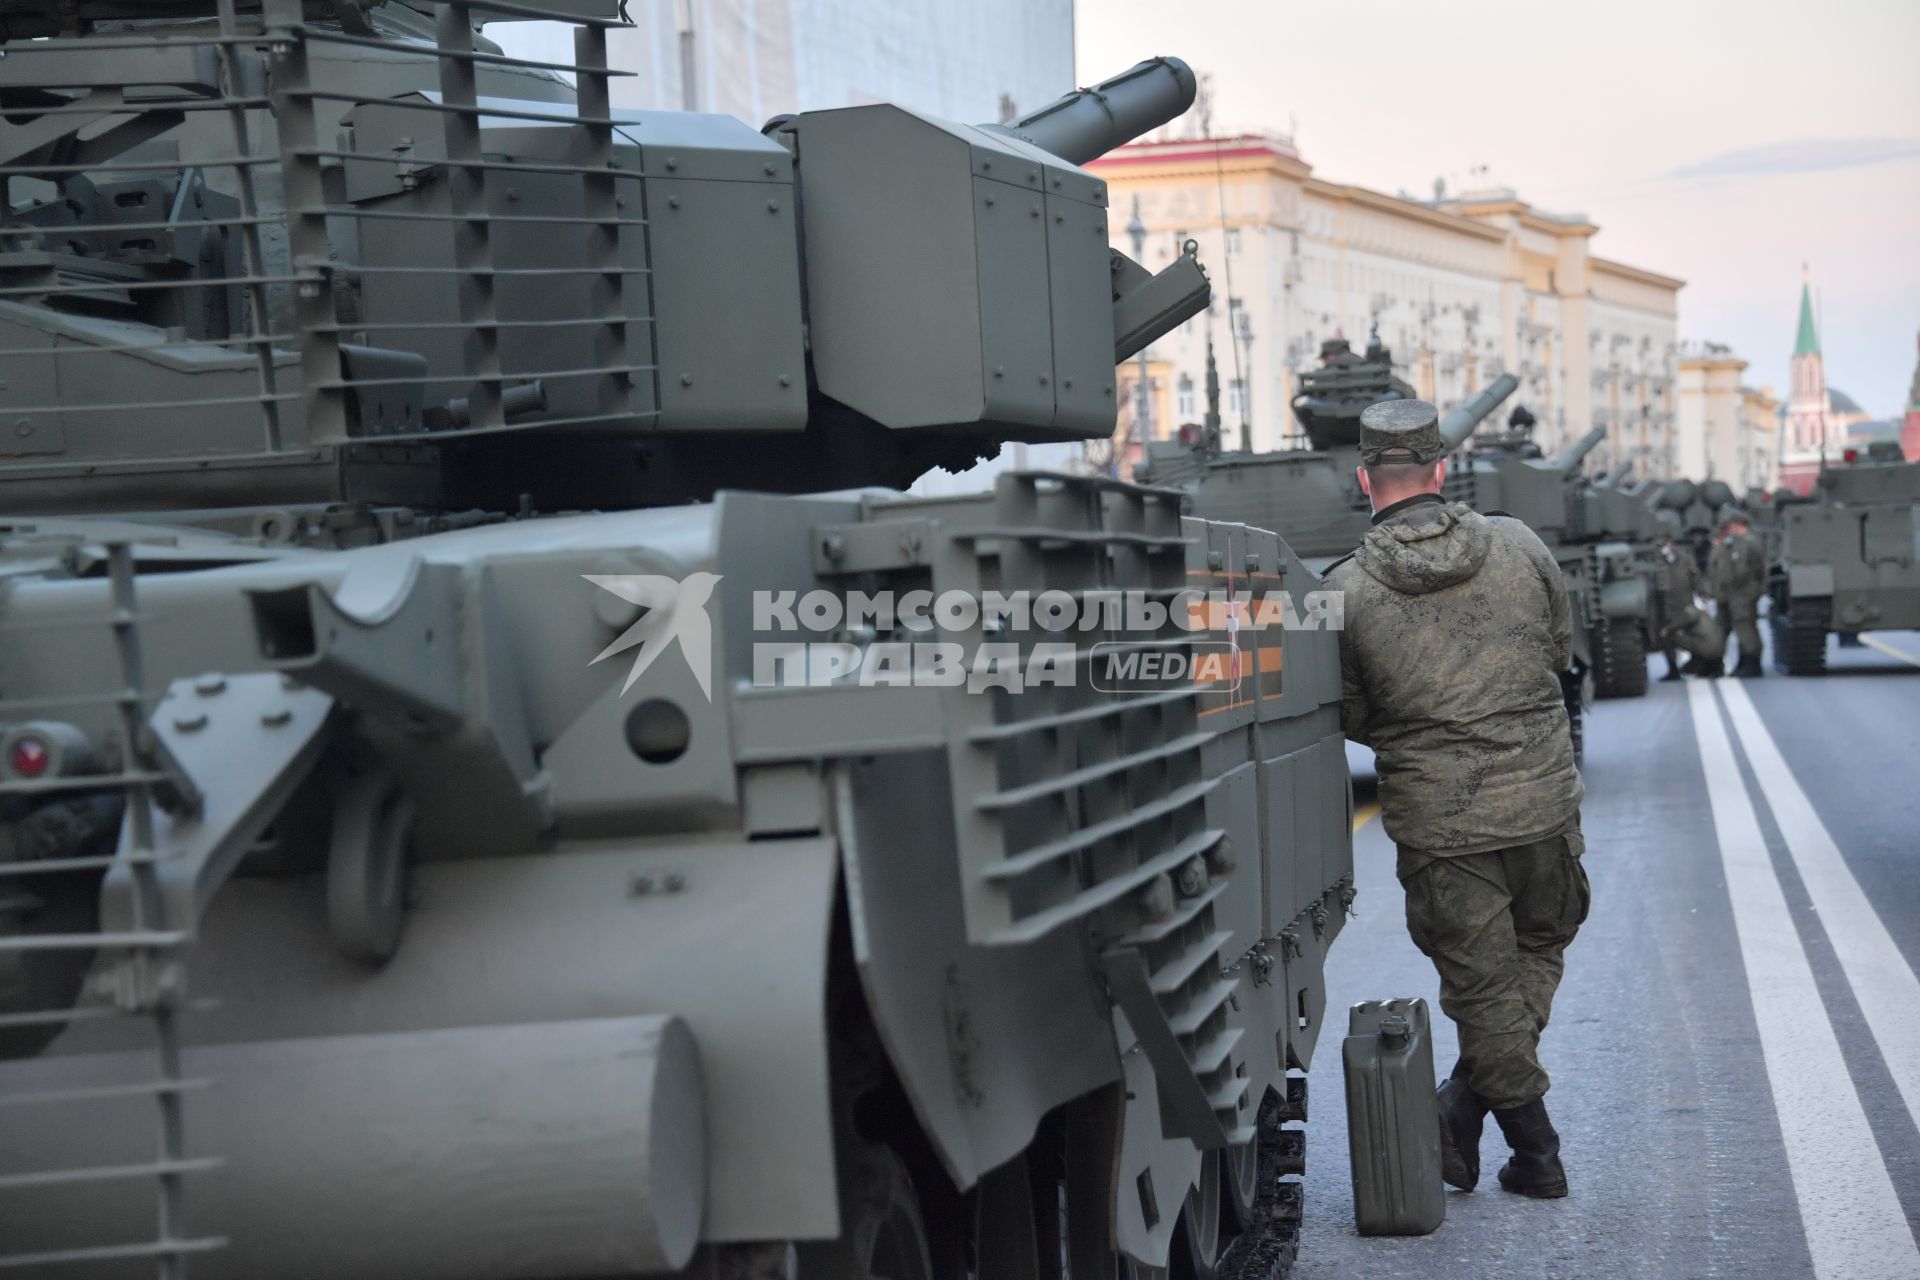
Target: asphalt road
[1736,1047]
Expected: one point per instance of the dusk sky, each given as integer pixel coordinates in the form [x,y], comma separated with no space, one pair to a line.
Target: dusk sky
[1721,141]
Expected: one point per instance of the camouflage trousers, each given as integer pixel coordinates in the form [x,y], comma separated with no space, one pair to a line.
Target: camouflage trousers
[1741,618]
[1496,925]
[1699,634]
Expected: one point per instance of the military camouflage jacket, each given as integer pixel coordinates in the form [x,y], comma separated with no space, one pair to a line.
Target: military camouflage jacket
[1456,631]
[1679,581]
[1735,570]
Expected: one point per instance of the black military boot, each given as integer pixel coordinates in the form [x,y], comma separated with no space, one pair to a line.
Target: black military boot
[1673,667]
[1749,668]
[1535,1169]
[1461,1115]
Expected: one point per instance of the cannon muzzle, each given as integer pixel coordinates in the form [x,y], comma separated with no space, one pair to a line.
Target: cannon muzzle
[1456,426]
[1569,458]
[1091,122]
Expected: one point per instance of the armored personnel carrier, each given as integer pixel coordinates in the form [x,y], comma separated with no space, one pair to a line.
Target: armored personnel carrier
[368,387]
[1847,557]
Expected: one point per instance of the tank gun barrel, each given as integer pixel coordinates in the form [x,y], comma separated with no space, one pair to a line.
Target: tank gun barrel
[1457,425]
[1091,122]
[1569,458]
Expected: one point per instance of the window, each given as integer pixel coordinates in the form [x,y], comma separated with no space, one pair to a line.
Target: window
[1184,404]
[1233,240]
[1237,398]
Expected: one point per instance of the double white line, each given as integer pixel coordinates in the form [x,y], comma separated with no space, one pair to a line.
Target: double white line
[1854,1224]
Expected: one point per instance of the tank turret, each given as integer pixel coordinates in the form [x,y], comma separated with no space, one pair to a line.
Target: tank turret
[1311,495]
[1332,397]
[449,280]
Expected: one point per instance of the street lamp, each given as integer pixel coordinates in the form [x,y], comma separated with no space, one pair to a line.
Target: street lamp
[1137,231]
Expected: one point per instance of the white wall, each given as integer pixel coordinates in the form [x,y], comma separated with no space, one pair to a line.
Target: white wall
[753,59]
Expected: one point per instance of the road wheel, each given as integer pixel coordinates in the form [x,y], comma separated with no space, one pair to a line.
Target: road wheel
[883,1236]
[1800,638]
[1619,659]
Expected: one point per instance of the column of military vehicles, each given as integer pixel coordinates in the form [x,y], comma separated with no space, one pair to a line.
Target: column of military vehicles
[366,385]
[1600,532]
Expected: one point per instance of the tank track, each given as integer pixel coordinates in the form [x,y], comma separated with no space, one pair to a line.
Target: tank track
[1619,659]
[1270,1245]
[1800,638]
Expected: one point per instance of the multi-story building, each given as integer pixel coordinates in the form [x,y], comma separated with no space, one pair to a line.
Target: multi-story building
[1461,290]
[986,60]
[1757,457]
[1724,429]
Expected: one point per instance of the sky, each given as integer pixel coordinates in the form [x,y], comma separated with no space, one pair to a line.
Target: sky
[1722,142]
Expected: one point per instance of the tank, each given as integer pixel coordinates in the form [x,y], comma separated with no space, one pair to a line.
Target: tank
[1845,558]
[1601,537]
[494,783]
[1310,495]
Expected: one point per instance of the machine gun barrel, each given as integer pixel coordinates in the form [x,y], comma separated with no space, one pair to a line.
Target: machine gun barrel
[1091,122]
[1459,424]
[1569,458]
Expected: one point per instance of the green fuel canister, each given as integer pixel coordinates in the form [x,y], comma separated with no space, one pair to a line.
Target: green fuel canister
[1393,1120]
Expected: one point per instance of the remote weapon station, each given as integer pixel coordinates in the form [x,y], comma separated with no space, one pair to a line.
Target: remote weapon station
[366,385]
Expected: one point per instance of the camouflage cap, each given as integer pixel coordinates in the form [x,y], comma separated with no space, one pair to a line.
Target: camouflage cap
[1729,515]
[1400,431]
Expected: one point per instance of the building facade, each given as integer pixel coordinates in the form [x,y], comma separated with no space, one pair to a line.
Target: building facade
[1724,429]
[984,61]
[1461,290]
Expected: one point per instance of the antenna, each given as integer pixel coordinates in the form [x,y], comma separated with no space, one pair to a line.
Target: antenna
[1243,330]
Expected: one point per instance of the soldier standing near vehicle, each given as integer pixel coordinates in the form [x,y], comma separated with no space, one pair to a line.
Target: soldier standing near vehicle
[1737,575]
[1456,630]
[1686,625]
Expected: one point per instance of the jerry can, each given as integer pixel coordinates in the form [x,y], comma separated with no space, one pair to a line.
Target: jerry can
[1393,1119]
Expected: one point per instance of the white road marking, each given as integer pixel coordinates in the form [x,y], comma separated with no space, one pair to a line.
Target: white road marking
[1854,1224]
[1889,650]
[1882,980]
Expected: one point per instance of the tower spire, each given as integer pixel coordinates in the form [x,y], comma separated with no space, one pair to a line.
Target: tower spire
[1807,342]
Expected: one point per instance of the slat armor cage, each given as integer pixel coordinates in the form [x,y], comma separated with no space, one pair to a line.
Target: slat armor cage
[228,252]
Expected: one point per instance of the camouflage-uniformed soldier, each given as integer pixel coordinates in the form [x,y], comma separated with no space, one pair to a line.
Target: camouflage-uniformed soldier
[1686,625]
[1737,575]
[1457,629]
